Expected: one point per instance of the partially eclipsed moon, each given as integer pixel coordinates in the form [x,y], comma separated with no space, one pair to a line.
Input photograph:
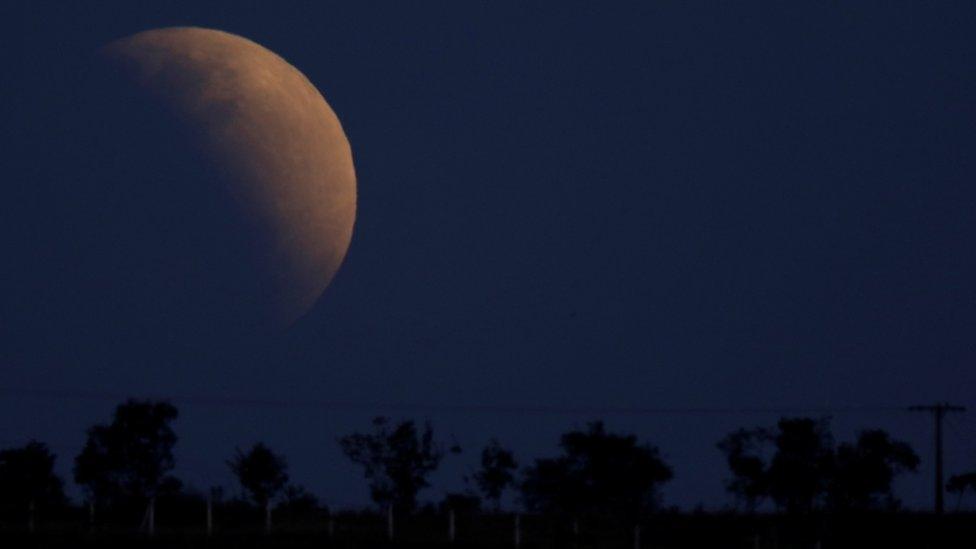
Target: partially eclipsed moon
[273,161]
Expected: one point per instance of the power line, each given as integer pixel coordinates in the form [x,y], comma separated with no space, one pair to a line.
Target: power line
[414,407]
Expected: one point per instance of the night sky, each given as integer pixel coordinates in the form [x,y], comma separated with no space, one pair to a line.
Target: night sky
[566,212]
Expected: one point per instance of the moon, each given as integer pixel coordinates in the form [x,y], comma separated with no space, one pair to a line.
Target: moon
[225,192]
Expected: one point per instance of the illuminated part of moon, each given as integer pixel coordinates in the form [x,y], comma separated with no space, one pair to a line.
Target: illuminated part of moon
[273,150]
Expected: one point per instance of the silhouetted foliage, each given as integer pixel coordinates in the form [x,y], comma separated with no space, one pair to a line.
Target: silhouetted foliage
[806,472]
[863,471]
[132,456]
[261,473]
[216,494]
[798,474]
[960,484]
[27,478]
[297,502]
[396,461]
[598,473]
[497,472]
[461,503]
[743,453]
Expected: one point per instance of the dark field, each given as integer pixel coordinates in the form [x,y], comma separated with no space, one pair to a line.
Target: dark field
[667,530]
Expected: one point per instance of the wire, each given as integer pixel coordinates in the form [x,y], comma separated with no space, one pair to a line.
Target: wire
[235,401]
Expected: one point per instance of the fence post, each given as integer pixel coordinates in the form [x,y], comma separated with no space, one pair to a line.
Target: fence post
[31,512]
[450,525]
[152,516]
[267,518]
[331,527]
[518,530]
[209,515]
[91,516]
[389,522]
[637,540]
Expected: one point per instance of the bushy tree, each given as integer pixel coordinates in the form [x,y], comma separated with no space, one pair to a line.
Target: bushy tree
[863,472]
[798,474]
[462,503]
[743,451]
[262,474]
[27,479]
[497,472]
[296,501]
[396,460]
[131,457]
[807,472]
[598,473]
[960,484]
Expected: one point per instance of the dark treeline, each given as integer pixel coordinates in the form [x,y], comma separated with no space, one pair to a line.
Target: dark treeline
[598,478]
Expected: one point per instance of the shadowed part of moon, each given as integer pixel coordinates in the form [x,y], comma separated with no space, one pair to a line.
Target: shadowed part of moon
[224,191]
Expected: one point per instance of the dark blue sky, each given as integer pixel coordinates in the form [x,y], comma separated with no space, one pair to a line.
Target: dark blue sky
[664,205]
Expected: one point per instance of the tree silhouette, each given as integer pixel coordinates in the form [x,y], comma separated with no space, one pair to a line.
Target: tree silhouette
[262,473]
[806,472]
[460,502]
[863,471]
[396,461]
[798,474]
[27,479]
[498,466]
[131,457]
[598,473]
[296,502]
[960,484]
[743,453]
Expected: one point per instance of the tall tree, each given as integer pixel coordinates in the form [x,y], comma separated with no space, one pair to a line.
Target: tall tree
[396,460]
[131,457]
[598,473]
[263,474]
[863,472]
[497,472]
[743,451]
[798,475]
[27,479]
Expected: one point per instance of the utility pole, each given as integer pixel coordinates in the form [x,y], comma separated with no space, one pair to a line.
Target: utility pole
[938,411]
